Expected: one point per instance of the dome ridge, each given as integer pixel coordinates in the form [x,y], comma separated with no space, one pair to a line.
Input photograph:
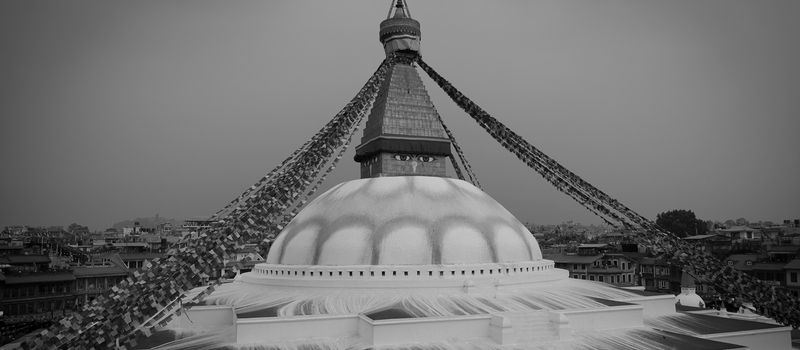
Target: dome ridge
[403,220]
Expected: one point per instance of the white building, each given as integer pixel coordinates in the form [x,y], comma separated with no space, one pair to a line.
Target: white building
[427,262]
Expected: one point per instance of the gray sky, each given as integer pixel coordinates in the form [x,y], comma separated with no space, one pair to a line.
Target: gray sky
[117,109]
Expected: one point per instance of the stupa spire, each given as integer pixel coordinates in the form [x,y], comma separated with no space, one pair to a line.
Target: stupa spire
[400,32]
[403,135]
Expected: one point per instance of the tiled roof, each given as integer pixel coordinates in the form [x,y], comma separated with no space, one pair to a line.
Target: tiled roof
[768,266]
[698,324]
[740,260]
[96,271]
[738,229]
[793,265]
[403,107]
[593,245]
[24,259]
[140,256]
[40,277]
[697,237]
[572,259]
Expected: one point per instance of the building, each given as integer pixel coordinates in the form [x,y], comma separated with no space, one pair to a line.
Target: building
[742,234]
[196,224]
[792,276]
[33,290]
[242,261]
[594,263]
[716,244]
[398,261]
[658,275]
[421,262]
[36,295]
[90,281]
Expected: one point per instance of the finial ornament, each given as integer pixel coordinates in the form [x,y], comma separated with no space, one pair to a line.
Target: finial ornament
[400,8]
[400,32]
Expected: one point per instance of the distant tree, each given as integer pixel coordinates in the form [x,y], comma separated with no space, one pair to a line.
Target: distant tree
[742,222]
[681,222]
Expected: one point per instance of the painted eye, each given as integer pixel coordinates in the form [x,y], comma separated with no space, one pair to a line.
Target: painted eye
[426,159]
[402,157]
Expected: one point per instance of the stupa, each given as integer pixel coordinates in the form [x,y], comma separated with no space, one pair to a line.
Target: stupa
[408,258]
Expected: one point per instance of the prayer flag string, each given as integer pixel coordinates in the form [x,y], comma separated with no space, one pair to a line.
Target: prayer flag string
[767,299]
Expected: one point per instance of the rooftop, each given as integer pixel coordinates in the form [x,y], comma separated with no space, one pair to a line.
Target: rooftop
[702,237]
[738,229]
[98,271]
[593,245]
[793,265]
[699,324]
[39,277]
[572,259]
[24,259]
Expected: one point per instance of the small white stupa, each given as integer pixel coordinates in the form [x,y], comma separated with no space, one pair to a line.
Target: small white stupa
[689,297]
[407,258]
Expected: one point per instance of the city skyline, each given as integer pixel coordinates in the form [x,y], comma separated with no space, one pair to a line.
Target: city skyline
[116,110]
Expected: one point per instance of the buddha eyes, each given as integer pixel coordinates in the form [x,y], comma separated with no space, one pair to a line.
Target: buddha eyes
[407,157]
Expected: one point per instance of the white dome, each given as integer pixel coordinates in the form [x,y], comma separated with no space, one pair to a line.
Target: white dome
[688,297]
[398,220]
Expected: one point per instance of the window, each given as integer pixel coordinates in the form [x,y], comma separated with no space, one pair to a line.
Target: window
[574,266]
[793,277]
[591,277]
[583,277]
[575,276]
[600,278]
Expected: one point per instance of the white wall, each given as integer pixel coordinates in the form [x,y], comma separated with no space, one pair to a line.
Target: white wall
[769,339]
[657,305]
[205,316]
[385,332]
[605,318]
[430,329]
[270,329]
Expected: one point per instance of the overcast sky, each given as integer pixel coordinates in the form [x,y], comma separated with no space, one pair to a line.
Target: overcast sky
[117,109]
